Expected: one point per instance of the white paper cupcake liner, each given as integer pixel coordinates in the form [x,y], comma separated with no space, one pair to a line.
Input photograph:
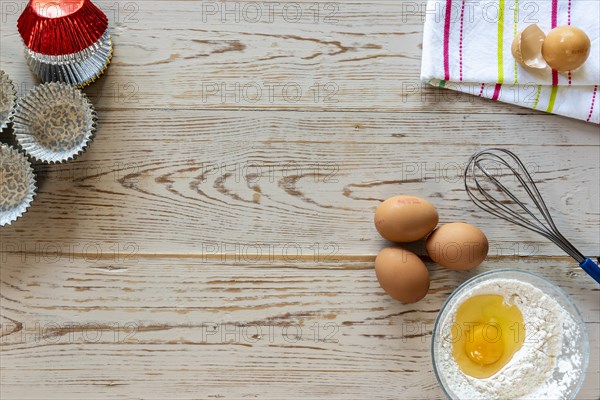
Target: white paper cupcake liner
[54,123]
[17,184]
[8,100]
[77,69]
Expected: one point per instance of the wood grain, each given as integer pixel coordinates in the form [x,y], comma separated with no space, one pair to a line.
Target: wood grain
[194,327]
[217,182]
[339,55]
[231,188]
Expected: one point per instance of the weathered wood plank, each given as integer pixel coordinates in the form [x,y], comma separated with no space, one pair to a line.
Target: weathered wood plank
[195,182]
[316,55]
[200,206]
[193,327]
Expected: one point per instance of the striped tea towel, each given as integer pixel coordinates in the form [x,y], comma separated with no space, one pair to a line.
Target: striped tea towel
[467,47]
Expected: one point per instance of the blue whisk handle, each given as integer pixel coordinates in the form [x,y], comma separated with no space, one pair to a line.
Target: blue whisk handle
[591,268]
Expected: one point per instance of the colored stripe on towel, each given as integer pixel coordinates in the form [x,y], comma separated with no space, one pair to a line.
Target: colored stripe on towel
[569,23]
[501,42]
[593,103]
[447,40]
[537,97]
[460,43]
[515,31]
[497,89]
[554,72]
[552,99]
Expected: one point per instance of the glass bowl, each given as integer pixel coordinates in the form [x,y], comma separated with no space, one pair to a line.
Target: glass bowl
[549,289]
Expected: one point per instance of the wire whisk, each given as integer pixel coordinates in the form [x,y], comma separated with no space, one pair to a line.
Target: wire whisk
[482,184]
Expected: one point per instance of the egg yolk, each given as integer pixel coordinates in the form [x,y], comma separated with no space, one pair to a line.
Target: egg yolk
[481,351]
[486,333]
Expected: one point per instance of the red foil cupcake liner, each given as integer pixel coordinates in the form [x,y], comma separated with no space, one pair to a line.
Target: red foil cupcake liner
[59,27]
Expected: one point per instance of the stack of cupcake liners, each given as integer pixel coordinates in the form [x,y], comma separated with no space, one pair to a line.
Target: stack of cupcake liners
[65,41]
[79,69]
[67,46]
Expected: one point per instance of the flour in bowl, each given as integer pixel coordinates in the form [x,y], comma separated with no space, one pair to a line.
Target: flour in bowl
[548,364]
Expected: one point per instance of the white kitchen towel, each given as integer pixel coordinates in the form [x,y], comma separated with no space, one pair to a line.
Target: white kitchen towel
[467,47]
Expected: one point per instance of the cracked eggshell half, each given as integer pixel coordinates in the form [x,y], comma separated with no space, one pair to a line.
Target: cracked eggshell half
[527,47]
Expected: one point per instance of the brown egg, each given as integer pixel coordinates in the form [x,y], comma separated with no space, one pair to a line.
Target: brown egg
[402,274]
[527,47]
[566,48]
[457,246]
[405,219]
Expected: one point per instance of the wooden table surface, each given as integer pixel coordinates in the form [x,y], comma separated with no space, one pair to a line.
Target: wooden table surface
[216,241]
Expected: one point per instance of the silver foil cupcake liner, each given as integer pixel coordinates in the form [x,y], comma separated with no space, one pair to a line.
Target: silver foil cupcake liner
[77,69]
[8,100]
[54,123]
[17,185]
